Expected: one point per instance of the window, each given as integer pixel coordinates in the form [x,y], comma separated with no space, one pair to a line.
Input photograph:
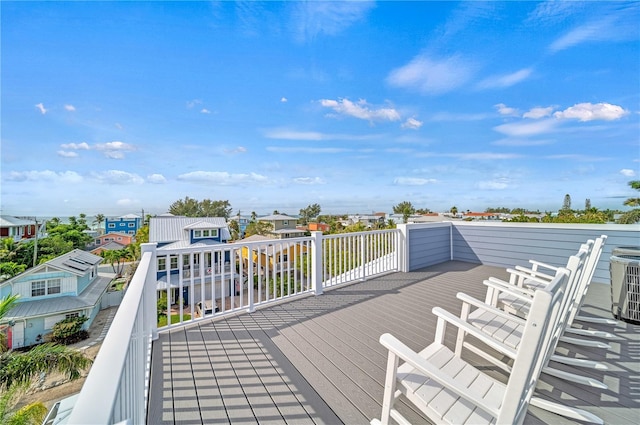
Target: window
[70,315]
[131,232]
[206,233]
[285,223]
[162,264]
[53,286]
[132,224]
[197,233]
[38,288]
[174,262]
[112,225]
[97,241]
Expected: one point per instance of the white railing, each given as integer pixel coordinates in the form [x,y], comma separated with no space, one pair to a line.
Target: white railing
[116,388]
[214,281]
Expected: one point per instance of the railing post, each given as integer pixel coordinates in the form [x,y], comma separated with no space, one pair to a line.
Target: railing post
[363,258]
[150,295]
[316,262]
[403,247]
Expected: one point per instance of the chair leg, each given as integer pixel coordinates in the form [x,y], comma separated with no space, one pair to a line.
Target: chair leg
[389,388]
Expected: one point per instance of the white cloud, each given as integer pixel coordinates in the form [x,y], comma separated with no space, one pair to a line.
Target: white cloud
[484,156]
[114,150]
[314,18]
[412,124]
[505,110]
[430,76]
[156,179]
[590,112]
[222,178]
[67,154]
[361,110]
[448,116]
[592,31]
[308,180]
[45,175]
[627,172]
[521,142]
[537,113]
[288,134]
[413,181]
[284,99]
[507,80]
[76,146]
[239,149]
[70,108]
[41,108]
[306,150]
[118,177]
[193,103]
[205,111]
[520,129]
[497,184]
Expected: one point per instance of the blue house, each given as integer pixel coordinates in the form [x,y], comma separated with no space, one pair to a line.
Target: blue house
[128,224]
[66,286]
[173,233]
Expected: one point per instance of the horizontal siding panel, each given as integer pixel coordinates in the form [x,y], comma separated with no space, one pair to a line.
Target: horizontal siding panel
[509,244]
[429,246]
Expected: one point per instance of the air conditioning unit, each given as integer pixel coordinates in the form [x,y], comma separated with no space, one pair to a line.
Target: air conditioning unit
[624,267]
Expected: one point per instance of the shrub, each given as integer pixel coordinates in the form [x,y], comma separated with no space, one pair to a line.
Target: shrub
[69,330]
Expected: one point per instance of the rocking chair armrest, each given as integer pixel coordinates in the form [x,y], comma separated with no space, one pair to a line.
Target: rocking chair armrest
[534,273]
[472,330]
[466,299]
[522,293]
[399,349]
[528,276]
[537,264]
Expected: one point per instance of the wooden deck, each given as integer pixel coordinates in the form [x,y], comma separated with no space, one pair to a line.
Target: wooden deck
[318,360]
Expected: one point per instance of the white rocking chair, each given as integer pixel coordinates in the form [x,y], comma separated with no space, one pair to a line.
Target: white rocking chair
[447,389]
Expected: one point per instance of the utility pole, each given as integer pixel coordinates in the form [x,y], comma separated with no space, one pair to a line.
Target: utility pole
[35,245]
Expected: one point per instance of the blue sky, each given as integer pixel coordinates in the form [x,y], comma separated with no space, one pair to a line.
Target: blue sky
[113,107]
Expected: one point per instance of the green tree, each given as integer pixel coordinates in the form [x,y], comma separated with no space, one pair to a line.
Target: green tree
[405,208]
[632,216]
[99,219]
[18,369]
[9,269]
[234,229]
[454,210]
[306,214]
[566,204]
[258,228]
[190,207]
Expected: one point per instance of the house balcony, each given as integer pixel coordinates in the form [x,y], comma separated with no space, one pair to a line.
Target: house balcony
[297,340]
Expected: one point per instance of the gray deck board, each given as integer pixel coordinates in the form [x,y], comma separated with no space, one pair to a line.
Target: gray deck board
[318,359]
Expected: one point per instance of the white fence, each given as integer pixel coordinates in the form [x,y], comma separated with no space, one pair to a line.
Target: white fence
[213,281]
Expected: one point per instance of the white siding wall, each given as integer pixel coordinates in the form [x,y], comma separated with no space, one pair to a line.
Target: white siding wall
[67,285]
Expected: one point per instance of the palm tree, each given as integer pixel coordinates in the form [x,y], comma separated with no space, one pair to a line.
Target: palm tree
[99,219]
[17,370]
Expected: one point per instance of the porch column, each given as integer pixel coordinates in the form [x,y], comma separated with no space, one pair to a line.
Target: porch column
[316,262]
[403,247]
[150,295]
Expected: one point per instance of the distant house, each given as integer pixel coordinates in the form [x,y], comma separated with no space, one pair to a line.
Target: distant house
[100,242]
[127,224]
[320,227]
[481,216]
[109,246]
[283,226]
[243,222]
[368,220]
[170,233]
[17,228]
[271,256]
[68,285]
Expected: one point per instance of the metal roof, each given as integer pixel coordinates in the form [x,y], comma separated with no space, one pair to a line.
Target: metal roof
[76,261]
[274,217]
[10,221]
[57,305]
[185,244]
[173,229]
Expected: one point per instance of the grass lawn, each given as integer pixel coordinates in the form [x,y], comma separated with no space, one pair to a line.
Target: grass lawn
[175,318]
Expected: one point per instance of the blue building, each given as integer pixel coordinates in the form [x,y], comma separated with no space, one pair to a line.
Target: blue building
[173,234]
[128,224]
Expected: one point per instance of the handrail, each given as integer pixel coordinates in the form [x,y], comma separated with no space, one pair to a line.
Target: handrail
[109,395]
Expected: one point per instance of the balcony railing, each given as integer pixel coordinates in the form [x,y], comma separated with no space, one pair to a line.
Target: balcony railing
[243,276]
